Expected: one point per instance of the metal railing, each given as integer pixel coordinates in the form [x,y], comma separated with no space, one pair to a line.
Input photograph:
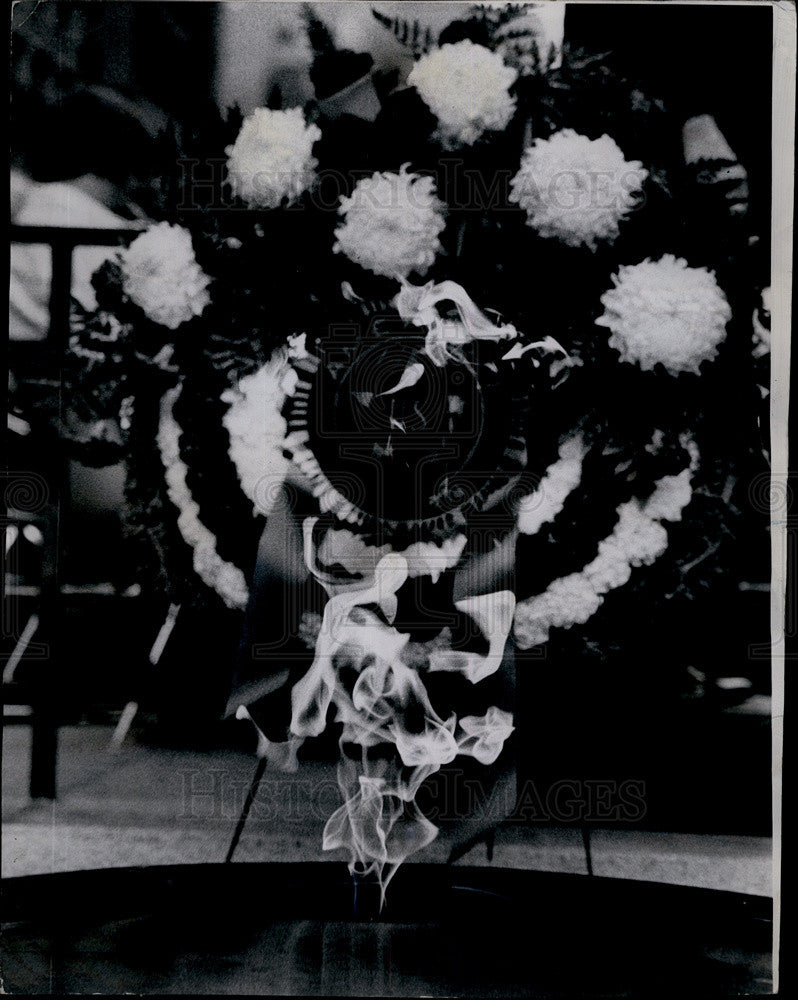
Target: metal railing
[62,241]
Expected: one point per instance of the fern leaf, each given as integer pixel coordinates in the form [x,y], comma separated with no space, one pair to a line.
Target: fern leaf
[409,33]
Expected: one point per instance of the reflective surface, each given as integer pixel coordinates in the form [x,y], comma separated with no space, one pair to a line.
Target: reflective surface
[301,929]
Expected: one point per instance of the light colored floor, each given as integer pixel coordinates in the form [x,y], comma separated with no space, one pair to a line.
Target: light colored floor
[140,805]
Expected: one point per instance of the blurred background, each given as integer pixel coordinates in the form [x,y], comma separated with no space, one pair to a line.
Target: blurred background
[686,714]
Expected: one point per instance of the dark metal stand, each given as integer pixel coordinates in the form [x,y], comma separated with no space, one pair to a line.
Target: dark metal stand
[47,358]
[260,768]
[586,843]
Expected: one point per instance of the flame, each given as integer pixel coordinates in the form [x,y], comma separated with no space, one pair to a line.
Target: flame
[493,614]
[392,738]
[281,755]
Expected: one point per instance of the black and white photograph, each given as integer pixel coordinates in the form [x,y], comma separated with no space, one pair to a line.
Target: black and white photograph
[397,513]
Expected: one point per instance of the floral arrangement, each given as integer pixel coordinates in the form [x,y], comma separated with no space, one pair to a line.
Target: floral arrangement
[455,312]
[256,430]
[227,580]
[559,480]
[637,539]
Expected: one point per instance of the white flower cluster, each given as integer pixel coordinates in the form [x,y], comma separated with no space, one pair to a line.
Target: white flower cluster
[561,478]
[391,224]
[256,428]
[161,275]
[664,312]
[271,161]
[638,539]
[575,189]
[466,86]
[571,600]
[226,579]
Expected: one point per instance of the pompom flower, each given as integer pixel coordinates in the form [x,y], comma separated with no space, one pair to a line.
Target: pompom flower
[272,160]
[161,275]
[666,313]
[466,87]
[391,224]
[575,189]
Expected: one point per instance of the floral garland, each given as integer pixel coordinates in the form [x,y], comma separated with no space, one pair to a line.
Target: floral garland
[226,579]
[257,428]
[638,539]
[256,431]
[559,481]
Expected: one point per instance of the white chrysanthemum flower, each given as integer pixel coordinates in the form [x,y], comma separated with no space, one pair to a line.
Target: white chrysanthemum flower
[272,160]
[466,86]
[667,313]
[575,189]
[161,275]
[391,224]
